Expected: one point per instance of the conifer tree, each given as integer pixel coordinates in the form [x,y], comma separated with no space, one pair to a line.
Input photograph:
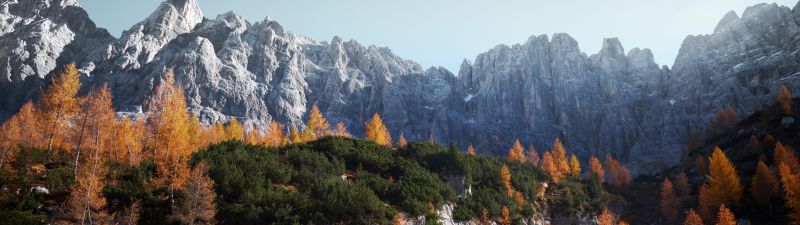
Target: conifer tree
[517,152]
[197,199]
[785,99]
[550,167]
[317,125]
[234,130]
[402,142]
[764,185]
[705,204]
[85,203]
[533,156]
[275,135]
[60,104]
[341,130]
[377,132]
[725,217]
[560,157]
[669,204]
[294,136]
[597,168]
[129,141]
[30,132]
[692,218]
[505,177]
[785,155]
[574,165]
[607,218]
[485,218]
[505,218]
[791,190]
[167,109]
[471,150]
[724,184]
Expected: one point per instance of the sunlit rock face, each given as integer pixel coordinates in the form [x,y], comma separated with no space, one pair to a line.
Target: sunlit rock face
[616,101]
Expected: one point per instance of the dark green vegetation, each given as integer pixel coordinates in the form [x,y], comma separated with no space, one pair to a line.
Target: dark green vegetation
[304,184]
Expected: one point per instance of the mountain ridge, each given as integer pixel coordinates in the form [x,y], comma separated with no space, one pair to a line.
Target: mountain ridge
[611,102]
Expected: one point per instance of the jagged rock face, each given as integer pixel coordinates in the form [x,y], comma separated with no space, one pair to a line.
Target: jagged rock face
[614,102]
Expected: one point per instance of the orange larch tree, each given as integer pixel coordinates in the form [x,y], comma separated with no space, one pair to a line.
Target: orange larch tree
[574,166]
[785,99]
[533,156]
[377,132]
[402,142]
[550,167]
[294,136]
[317,125]
[505,177]
[234,130]
[170,119]
[597,168]
[505,219]
[724,184]
[791,189]
[197,199]
[341,130]
[59,105]
[692,218]
[785,155]
[668,204]
[765,185]
[275,135]
[129,141]
[471,150]
[517,152]
[560,157]
[705,205]
[725,216]
[607,218]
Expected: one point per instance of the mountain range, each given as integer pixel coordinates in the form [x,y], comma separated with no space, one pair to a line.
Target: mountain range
[612,102]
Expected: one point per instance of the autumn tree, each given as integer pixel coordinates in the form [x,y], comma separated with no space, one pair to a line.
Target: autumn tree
[275,135]
[619,175]
[85,203]
[96,125]
[533,156]
[317,125]
[470,150]
[560,157]
[705,204]
[724,184]
[485,218]
[20,129]
[785,99]
[234,130]
[791,189]
[377,132]
[550,167]
[668,204]
[505,177]
[341,130]
[725,216]
[785,155]
[764,185]
[168,115]
[294,136]
[60,104]
[517,152]
[402,142]
[129,141]
[692,218]
[197,199]
[607,217]
[505,218]
[574,165]
[597,168]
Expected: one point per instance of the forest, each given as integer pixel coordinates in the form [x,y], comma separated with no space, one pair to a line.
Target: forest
[70,159]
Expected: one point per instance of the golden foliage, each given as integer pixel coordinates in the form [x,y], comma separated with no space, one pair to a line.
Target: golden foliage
[607,218]
[692,218]
[517,152]
[377,132]
[471,150]
[597,168]
[550,167]
[317,125]
[505,177]
[785,155]
[724,184]
[234,130]
[725,217]
[791,189]
[668,204]
[341,130]
[533,157]
[197,199]
[275,135]
[505,219]
[59,105]
[574,165]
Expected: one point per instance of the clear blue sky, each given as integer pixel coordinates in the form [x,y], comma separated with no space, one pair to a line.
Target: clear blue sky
[444,32]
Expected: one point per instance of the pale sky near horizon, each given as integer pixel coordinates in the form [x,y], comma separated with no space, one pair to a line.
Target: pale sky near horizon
[444,32]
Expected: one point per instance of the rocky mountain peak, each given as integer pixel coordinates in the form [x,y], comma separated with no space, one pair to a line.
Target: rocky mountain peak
[612,48]
[726,20]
